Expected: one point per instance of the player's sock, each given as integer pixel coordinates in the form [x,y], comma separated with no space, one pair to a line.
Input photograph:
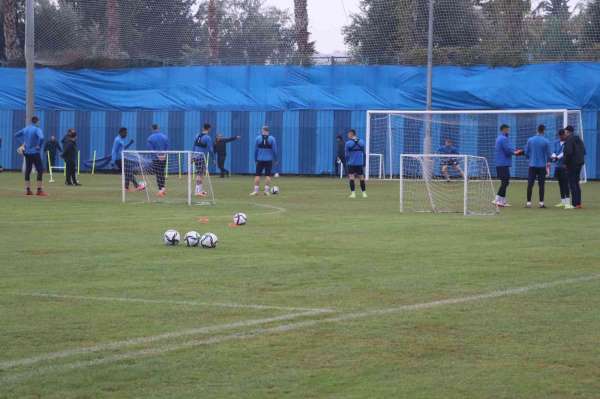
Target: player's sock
[352,186]
[267,188]
[363,186]
[256,189]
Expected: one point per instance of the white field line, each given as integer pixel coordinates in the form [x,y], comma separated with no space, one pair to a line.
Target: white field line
[292,327]
[170,302]
[146,340]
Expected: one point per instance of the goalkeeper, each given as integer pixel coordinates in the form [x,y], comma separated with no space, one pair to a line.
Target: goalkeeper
[203,145]
[159,141]
[355,159]
[449,149]
[504,152]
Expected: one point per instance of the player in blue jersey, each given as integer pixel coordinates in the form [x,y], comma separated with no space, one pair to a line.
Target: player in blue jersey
[159,141]
[32,139]
[355,161]
[560,171]
[504,152]
[539,153]
[265,157]
[449,149]
[203,148]
[121,144]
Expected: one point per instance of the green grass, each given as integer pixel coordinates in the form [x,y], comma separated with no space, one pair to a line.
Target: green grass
[309,247]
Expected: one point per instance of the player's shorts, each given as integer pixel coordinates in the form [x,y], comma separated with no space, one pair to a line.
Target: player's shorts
[449,162]
[356,170]
[264,166]
[32,160]
[200,165]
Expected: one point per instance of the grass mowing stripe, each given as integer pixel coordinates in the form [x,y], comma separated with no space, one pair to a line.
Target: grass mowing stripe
[5,365]
[294,326]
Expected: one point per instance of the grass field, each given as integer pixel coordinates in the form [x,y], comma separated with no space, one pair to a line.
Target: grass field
[318,296]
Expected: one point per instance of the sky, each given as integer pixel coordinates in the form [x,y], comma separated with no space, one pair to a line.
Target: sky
[326,19]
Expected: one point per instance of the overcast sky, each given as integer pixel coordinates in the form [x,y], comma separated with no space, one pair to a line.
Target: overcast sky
[326,19]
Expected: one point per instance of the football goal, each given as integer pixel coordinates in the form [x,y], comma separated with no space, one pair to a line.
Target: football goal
[391,133]
[168,176]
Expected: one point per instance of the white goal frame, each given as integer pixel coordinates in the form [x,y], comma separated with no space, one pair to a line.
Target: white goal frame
[564,111]
[186,171]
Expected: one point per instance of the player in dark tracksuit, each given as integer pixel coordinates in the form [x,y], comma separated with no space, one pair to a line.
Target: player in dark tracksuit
[355,158]
[574,158]
[52,147]
[69,154]
[220,149]
[560,171]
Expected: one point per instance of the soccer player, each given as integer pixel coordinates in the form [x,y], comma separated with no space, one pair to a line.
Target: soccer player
[51,148]
[355,159]
[574,159]
[265,155]
[203,144]
[448,149]
[538,151]
[340,161]
[119,145]
[504,152]
[560,171]
[221,152]
[69,154]
[159,141]
[32,138]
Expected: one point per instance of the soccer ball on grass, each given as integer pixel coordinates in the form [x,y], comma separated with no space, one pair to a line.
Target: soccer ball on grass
[209,241]
[192,239]
[171,238]
[240,219]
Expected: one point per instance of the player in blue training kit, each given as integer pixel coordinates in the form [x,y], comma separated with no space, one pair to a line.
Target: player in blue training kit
[204,146]
[265,156]
[449,149]
[504,152]
[119,145]
[32,139]
[159,141]
[560,171]
[355,162]
[538,151]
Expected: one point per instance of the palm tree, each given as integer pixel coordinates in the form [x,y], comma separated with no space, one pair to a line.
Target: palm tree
[12,47]
[305,48]
[113,29]
[213,32]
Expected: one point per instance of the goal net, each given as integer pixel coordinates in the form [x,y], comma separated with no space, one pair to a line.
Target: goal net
[446,183]
[169,177]
[391,133]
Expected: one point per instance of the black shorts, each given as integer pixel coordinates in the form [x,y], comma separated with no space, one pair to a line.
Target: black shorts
[356,170]
[264,166]
[449,162]
[33,160]
[200,164]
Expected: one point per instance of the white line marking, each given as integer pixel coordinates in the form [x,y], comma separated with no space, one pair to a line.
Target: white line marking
[292,327]
[146,340]
[169,302]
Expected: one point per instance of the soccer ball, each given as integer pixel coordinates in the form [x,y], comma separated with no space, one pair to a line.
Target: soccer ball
[275,190]
[240,219]
[192,239]
[171,238]
[142,186]
[209,240]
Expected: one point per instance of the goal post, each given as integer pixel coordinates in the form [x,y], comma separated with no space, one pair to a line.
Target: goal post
[440,183]
[472,132]
[166,177]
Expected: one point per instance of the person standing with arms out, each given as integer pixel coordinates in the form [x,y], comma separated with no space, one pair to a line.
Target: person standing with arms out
[204,146]
[221,152]
[539,153]
[119,145]
[51,148]
[504,152]
[340,160]
[70,156]
[449,149]
[159,141]
[265,156]
[355,159]
[574,159]
[560,171]
[32,139]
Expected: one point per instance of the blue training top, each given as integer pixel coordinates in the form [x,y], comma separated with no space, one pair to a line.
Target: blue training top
[503,151]
[203,144]
[119,145]
[355,152]
[538,151]
[447,150]
[32,137]
[158,142]
[265,149]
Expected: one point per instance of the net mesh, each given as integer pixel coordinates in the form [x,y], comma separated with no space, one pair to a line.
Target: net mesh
[172,177]
[392,133]
[446,184]
[155,32]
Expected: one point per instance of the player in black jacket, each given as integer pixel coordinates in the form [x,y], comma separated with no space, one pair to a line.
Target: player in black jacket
[51,146]
[574,159]
[220,148]
[70,156]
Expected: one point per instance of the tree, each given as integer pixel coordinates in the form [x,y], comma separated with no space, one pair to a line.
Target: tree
[12,46]
[591,27]
[305,48]
[213,31]
[113,28]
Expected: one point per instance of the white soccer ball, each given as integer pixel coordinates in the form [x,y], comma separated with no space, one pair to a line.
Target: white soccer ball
[192,239]
[171,238]
[209,240]
[240,219]
[142,185]
[275,190]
